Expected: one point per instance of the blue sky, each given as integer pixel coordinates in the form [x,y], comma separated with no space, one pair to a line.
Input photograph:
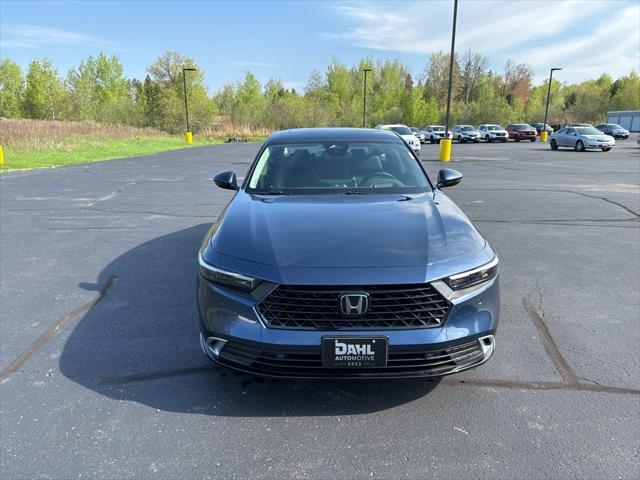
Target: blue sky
[286,40]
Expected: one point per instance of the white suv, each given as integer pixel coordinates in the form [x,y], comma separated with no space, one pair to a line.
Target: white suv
[435,133]
[490,132]
[406,134]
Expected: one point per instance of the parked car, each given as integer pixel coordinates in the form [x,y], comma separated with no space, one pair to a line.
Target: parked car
[316,269]
[434,133]
[539,128]
[466,133]
[521,131]
[581,138]
[404,132]
[614,130]
[419,134]
[491,132]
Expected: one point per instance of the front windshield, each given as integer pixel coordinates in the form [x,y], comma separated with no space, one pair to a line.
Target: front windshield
[337,167]
[494,127]
[588,131]
[614,125]
[401,130]
[467,128]
[438,129]
[523,126]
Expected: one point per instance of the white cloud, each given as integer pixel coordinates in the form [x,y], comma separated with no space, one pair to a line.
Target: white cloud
[613,47]
[20,35]
[586,37]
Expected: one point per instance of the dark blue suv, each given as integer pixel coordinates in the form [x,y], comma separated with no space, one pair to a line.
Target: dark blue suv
[339,257]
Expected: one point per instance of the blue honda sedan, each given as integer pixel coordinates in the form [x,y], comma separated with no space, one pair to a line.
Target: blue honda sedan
[338,256]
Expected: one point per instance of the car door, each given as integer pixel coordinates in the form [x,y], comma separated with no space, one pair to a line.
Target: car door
[569,137]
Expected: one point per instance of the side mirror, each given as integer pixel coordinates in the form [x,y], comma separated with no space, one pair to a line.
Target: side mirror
[448,178]
[226,180]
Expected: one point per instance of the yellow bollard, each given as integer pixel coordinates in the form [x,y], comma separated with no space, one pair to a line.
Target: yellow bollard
[543,136]
[188,137]
[1,155]
[445,149]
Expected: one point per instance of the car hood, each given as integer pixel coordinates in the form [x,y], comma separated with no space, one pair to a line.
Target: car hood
[342,231]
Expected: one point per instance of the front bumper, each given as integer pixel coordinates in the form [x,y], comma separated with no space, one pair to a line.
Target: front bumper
[233,334]
[597,145]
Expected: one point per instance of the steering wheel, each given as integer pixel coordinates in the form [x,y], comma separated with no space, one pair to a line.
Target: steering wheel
[379,175]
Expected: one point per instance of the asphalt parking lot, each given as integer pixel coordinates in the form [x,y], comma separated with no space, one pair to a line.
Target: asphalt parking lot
[102,376]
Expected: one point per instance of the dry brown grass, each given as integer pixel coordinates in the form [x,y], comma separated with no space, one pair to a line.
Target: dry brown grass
[27,134]
[224,128]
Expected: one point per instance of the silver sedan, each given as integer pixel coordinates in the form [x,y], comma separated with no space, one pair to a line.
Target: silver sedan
[581,139]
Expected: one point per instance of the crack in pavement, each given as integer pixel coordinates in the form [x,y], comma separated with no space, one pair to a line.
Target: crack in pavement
[537,314]
[149,212]
[596,197]
[449,380]
[53,329]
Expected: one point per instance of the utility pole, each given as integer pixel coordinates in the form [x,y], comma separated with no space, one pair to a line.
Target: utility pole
[364,98]
[543,133]
[445,143]
[188,134]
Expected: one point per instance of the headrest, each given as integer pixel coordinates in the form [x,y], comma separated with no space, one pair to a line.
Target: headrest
[300,161]
[371,165]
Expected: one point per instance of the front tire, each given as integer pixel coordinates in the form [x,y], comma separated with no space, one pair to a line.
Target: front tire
[554,144]
[533,139]
[606,149]
[487,139]
[517,139]
[432,140]
[579,146]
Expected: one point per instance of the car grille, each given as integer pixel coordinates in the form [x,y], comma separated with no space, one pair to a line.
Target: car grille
[402,361]
[317,307]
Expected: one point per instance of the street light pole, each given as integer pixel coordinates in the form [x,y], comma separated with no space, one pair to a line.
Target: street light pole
[445,143]
[364,98]
[544,134]
[188,134]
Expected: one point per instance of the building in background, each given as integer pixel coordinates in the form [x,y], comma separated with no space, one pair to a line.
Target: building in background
[629,119]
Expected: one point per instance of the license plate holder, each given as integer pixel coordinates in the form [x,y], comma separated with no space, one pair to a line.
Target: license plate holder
[355,352]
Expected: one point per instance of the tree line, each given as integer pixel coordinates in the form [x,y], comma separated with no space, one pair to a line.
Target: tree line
[97,90]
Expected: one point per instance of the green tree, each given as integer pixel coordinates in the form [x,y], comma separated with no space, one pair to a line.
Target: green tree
[45,93]
[11,89]
[249,101]
[167,73]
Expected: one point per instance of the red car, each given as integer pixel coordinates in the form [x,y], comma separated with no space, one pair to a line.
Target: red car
[521,131]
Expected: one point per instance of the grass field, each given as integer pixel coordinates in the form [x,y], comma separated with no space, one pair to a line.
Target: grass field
[39,143]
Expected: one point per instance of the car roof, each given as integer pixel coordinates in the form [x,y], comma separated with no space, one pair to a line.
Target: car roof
[332,134]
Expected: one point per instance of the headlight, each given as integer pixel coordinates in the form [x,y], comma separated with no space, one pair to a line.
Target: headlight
[473,277]
[224,277]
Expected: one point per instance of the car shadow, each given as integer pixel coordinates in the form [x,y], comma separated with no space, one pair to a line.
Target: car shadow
[139,343]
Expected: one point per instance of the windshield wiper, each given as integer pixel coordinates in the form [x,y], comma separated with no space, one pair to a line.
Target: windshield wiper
[272,192]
